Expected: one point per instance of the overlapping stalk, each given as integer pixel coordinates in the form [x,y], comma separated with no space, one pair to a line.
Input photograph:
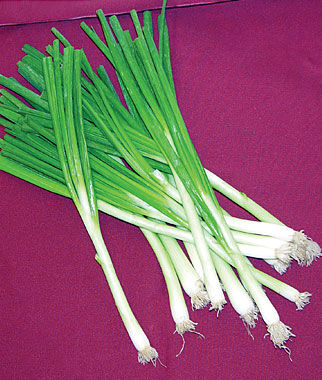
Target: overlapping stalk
[140,68]
[153,140]
[63,91]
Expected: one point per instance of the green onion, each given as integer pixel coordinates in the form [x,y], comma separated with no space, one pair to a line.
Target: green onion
[307,250]
[74,140]
[177,304]
[165,120]
[64,96]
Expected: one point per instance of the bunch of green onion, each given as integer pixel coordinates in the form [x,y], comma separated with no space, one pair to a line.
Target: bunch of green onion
[137,163]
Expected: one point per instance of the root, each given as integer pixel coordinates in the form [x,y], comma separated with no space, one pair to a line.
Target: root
[182,347]
[313,251]
[302,300]
[249,319]
[299,239]
[200,300]
[279,334]
[284,256]
[187,326]
[219,305]
[149,354]
[280,266]
[284,252]
[307,250]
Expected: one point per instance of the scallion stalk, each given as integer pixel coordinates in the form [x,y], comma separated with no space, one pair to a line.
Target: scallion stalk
[178,306]
[64,97]
[153,140]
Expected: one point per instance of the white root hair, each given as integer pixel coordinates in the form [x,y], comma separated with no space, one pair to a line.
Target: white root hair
[199,300]
[279,334]
[307,250]
[284,252]
[313,251]
[148,354]
[302,300]
[280,266]
[218,306]
[249,319]
[186,326]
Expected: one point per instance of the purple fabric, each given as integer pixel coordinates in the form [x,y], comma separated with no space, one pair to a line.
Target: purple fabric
[248,79]
[28,11]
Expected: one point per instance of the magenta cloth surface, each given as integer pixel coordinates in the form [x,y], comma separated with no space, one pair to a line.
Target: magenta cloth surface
[248,79]
[28,11]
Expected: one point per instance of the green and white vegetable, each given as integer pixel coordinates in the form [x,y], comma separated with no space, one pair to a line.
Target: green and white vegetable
[65,105]
[74,139]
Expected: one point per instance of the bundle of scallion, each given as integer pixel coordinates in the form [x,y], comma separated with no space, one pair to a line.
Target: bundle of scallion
[63,89]
[166,192]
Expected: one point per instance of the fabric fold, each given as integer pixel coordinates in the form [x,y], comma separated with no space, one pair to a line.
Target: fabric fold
[32,11]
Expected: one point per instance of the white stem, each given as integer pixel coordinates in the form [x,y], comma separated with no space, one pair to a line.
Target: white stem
[212,283]
[194,258]
[136,333]
[260,228]
[187,275]
[186,236]
[260,240]
[239,298]
[285,290]
[241,199]
[137,220]
[266,308]
[132,326]
[257,252]
[269,235]
[178,306]
[178,233]
[280,266]
[149,210]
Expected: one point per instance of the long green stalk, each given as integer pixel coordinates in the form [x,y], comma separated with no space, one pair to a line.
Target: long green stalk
[44,181]
[150,143]
[164,119]
[220,185]
[238,197]
[148,86]
[64,97]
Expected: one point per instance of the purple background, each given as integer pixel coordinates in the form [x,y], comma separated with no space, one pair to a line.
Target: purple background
[28,11]
[248,81]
